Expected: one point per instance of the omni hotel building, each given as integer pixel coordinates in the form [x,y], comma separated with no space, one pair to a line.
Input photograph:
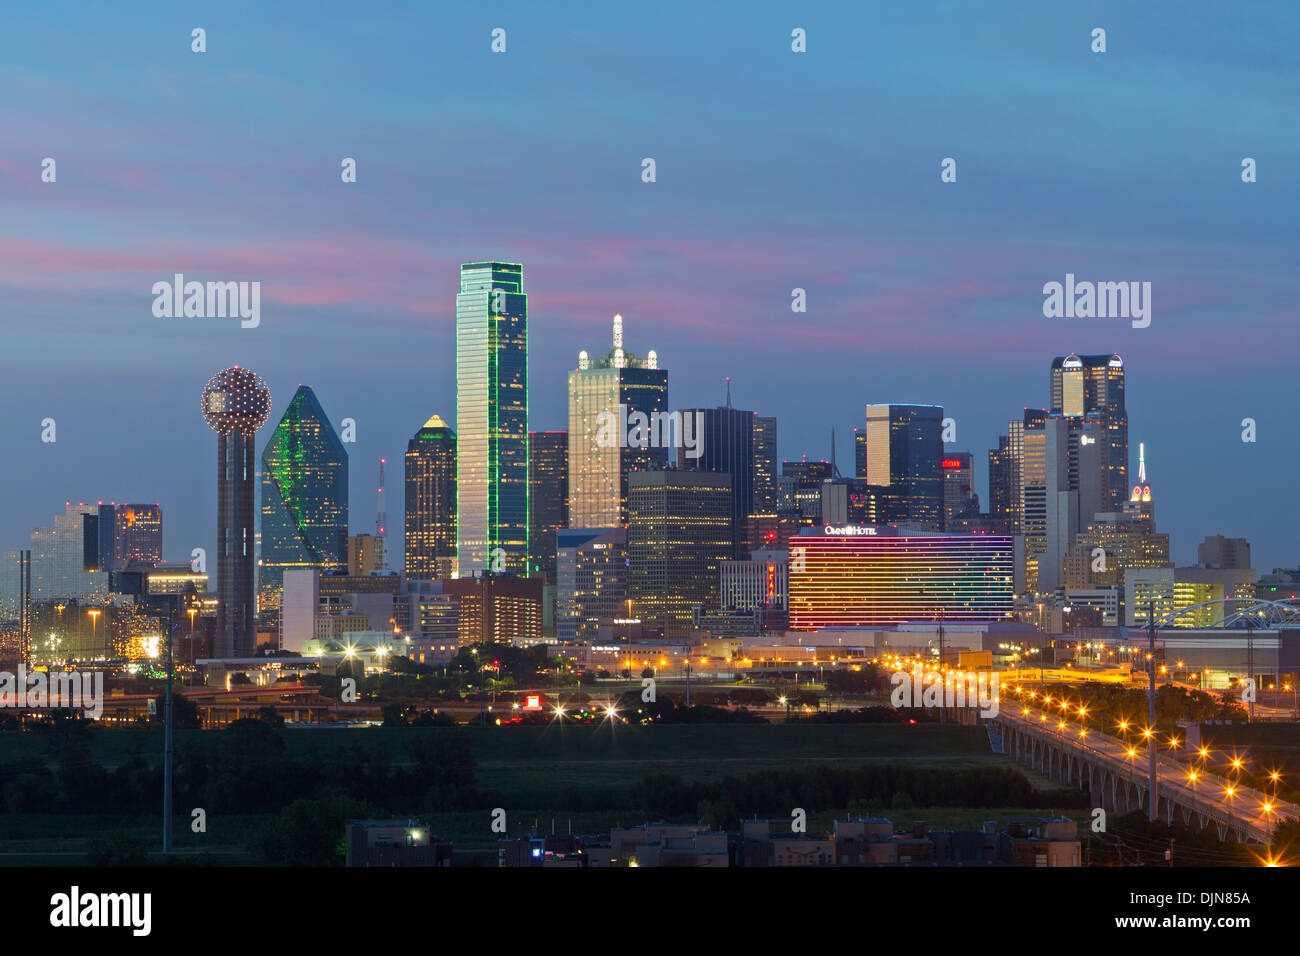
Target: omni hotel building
[884,575]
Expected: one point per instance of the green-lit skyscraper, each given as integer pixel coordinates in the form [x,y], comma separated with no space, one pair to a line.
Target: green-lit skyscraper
[304,499]
[492,419]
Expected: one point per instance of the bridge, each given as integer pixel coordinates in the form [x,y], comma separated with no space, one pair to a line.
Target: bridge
[1117,775]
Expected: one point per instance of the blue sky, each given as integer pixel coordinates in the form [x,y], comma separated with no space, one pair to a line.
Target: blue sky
[775,170]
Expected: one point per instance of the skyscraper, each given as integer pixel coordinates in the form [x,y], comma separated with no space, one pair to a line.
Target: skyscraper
[726,446]
[431,502]
[121,534]
[591,581]
[1002,505]
[904,456]
[1092,386]
[959,498]
[548,498]
[766,495]
[492,419]
[304,498]
[678,535]
[65,559]
[611,400]
[235,404]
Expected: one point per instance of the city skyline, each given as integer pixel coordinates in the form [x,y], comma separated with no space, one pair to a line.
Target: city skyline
[916,290]
[396,536]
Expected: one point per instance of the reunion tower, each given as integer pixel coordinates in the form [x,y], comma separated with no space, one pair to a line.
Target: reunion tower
[236,403]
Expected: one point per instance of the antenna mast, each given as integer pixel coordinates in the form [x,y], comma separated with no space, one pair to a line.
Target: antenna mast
[381,520]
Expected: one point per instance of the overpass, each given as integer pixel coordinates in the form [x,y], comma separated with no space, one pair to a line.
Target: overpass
[1116,775]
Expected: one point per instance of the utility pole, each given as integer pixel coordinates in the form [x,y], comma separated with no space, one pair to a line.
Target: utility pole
[943,701]
[1151,710]
[168,724]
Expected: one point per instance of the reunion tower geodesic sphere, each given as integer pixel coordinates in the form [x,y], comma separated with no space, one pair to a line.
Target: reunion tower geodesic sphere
[236,400]
[236,403]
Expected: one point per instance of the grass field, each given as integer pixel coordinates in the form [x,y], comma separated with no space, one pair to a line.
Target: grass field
[528,766]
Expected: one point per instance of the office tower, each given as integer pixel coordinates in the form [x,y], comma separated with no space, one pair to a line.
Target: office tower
[497,610]
[236,403]
[1230,554]
[761,582]
[904,456]
[16,604]
[959,498]
[892,576]
[1061,493]
[591,570]
[304,499]
[850,501]
[766,495]
[492,419]
[771,530]
[726,448]
[618,424]
[804,494]
[431,502]
[64,561]
[860,453]
[548,498]
[678,534]
[365,553]
[1085,386]
[1002,506]
[122,534]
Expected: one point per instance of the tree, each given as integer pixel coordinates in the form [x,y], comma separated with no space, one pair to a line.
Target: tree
[269,715]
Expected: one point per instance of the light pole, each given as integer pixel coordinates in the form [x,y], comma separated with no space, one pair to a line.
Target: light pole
[168,724]
[1151,710]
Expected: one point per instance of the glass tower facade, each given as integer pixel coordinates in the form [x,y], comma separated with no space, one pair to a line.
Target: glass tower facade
[492,419]
[304,499]
[678,535]
[766,496]
[727,447]
[904,450]
[431,502]
[548,498]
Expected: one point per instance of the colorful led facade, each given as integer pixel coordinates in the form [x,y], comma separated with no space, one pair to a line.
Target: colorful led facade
[236,403]
[877,576]
[304,499]
[492,419]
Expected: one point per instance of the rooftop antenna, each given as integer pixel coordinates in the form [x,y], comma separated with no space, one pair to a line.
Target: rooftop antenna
[728,381]
[835,470]
[381,519]
[1142,463]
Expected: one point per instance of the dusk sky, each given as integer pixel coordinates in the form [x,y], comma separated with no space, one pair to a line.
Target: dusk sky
[775,170]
